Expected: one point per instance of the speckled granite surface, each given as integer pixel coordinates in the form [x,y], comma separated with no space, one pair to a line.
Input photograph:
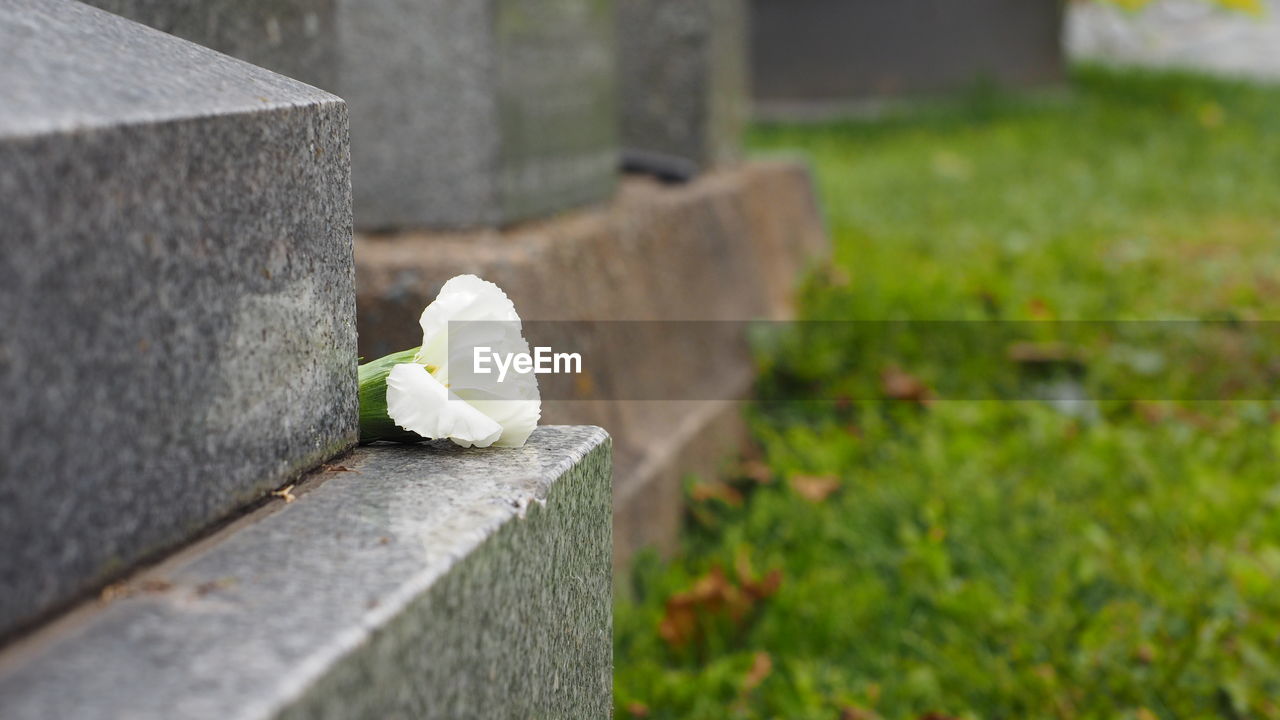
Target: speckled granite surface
[176,293]
[419,581]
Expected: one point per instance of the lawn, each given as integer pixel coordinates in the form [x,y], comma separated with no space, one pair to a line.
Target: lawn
[930,541]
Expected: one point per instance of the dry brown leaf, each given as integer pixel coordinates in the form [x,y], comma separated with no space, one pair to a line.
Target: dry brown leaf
[761,666]
[712,589]
[713,596]
[716,490]
[111,592]
[709,593]
[211,586]
[853,712]
[1039,309]
[284,493]
[121,590]
[638,710]
[1047,353]
[815,488]
[756,588]
[765,586]
[756,471]
[898,384]
[154,585]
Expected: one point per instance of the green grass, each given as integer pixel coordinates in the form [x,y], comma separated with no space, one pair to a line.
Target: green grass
[998,558]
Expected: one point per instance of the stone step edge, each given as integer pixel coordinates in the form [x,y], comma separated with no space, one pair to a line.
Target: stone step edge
[61,669]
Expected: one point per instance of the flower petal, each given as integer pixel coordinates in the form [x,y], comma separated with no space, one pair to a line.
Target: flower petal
[482,316]
[465,298]
[517,418]
[419,403]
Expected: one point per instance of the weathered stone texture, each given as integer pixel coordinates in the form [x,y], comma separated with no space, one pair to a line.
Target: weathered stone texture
[683,77]
[176,284]
[470,114]
[425,581]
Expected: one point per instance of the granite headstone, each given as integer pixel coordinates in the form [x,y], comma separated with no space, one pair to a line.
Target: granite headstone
[176,284]
[822,58]
[683,78]
[473,114]
[297,38]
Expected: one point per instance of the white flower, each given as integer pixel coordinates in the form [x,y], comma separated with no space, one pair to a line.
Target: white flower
[425,398]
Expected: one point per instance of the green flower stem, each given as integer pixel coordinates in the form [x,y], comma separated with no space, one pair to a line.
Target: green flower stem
[374,423]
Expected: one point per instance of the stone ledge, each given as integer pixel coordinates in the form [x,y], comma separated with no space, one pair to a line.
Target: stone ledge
[410,581]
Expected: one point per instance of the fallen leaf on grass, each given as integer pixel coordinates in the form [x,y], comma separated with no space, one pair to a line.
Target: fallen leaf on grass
[756,471]
[758,588]
[712,597]
[815,488]
[680,624]
[638,710]
[716,490]
[760,668]
[1039,309]
[898,384]
[1046,353]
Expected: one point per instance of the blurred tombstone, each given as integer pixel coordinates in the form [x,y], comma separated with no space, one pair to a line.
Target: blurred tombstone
[176,285]
[822,56]
[683,81]
[463,114]
[478,113]
[297,38]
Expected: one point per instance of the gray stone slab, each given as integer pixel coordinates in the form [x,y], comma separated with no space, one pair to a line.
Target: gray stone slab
[479,113]
[297,38]
[427,581]
[683,77]
[176,284]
